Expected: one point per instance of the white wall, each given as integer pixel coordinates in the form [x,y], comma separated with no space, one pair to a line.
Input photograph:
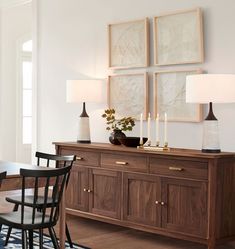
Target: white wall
[73,45]
[15,23]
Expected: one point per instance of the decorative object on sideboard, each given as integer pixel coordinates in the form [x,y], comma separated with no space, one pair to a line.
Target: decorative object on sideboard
[117,126]
[129,44]
[147,145]
[210,88]
[84,91]
[115,135]
[128,94]
[178,38]
[131,141]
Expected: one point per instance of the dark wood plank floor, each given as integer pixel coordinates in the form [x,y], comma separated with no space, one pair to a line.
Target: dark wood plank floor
[99,235]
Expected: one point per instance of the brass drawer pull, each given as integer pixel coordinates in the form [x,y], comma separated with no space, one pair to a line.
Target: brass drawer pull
[176,169]
[121,163]
[78,158]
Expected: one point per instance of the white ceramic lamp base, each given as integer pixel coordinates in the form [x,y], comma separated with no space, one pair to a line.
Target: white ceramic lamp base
[211,142]
[211,133]
[83,130]
[84,127]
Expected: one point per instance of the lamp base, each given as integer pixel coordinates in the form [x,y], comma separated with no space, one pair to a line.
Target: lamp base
[83,127]
[211,142]
[84,141]
[211,151]
[83,130]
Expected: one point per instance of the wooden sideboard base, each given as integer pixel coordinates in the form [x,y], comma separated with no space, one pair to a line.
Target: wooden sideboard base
[183,194]
[136,226]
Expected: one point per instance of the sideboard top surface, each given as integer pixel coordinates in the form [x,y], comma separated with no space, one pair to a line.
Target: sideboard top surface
[120,148]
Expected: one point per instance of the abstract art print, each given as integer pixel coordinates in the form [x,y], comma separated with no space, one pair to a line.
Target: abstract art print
[128,94]
[178,38]
[129,44]
[170,96]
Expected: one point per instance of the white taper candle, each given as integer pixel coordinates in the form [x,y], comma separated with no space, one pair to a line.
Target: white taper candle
[141,129]
[157,130]
[149,129]
[165,129]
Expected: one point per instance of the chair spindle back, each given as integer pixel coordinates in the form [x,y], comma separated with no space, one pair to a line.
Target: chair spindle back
[52,180]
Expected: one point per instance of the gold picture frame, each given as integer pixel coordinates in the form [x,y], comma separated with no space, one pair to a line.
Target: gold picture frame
[170,98]
[128,94]
[178,38]
[128,44]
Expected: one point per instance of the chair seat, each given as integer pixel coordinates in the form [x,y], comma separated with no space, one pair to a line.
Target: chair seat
[13,219]
[29,199]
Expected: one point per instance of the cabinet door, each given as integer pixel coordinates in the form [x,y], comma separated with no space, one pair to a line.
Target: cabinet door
[185,208]
[76,197]
[140,195]
[105,195]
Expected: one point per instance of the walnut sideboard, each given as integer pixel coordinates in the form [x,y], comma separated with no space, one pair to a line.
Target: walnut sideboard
[180,193]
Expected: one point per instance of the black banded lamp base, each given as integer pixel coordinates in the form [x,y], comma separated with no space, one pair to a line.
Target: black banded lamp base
[84,141]
[211,150]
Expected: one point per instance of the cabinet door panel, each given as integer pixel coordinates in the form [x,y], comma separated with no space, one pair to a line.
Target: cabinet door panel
[105,195]
[185,208]
[140,194]
[76,197]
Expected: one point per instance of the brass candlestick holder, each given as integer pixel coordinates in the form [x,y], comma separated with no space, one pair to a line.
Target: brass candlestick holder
[165,147]
[148,143]
[154,148]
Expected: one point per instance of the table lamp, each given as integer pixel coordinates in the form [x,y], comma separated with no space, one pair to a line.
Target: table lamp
[83,91]
[210,88]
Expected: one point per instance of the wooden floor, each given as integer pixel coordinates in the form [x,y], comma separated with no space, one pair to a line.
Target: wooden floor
[99,235]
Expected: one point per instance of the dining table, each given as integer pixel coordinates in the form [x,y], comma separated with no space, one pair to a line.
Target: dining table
[13,181]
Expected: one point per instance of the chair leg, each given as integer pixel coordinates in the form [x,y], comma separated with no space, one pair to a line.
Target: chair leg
[8,236]
[30,239]
[10,228]
[53,238]
[24,240]
[41,238]
[68,236]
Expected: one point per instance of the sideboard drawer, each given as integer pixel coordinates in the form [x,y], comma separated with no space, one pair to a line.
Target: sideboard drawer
[179,168]
[125,161]
[84,157]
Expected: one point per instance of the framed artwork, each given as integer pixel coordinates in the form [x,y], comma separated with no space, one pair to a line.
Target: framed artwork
[128,94]
[129,44]
[178,38]
[170,98]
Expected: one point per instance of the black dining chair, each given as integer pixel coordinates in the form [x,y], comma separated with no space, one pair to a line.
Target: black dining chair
[29,218]
[43,159]
[2,177]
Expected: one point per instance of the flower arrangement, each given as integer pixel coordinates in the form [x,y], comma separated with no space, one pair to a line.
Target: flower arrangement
[123,124]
